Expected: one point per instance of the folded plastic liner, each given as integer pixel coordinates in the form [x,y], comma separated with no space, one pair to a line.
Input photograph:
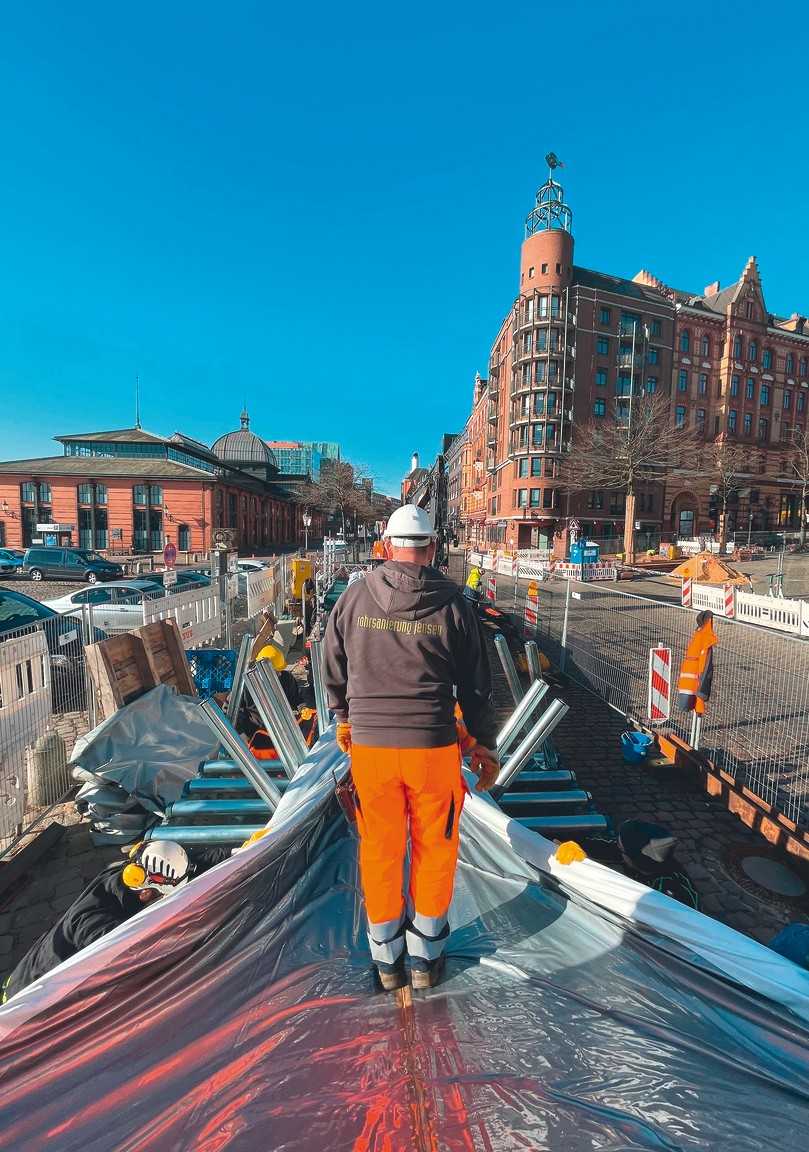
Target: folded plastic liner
[241,1014]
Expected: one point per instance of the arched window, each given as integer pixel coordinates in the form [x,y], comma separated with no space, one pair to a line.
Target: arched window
[706,345]
[685,340]
[737,347]
[752,350]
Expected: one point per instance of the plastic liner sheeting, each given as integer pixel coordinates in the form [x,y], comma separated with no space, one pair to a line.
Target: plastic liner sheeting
[241,1015]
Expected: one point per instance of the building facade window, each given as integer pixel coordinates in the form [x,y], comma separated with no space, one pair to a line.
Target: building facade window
[656,328]
[654,356]
[603,346]
[651,385]
[601,378]
[803,367]
[766,359]
[703,384]
[748,424]
[679,416]
[801,401]
[547,497]
[737,348]
[763,428]
[787,400]
[139,493]
[764,395]
[600,408]
[682,380]
[536,494]
[685,340]
[536,465]
[750,388]
[734,385]
[700,420]
[790,363]
[595,500]
[706,346]
[522,467]
[733,417]
[605,315]
[752,351]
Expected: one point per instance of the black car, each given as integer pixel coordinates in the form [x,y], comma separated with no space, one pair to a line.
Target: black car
[69,564]
[63,635]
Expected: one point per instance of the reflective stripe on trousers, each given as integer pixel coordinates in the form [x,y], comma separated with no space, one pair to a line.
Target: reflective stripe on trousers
[419,789]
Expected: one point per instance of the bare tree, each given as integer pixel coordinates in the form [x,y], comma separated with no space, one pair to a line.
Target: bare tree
[637,445]
[800,470]
[728,467]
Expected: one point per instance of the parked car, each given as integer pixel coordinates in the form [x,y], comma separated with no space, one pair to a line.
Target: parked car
[64,640]
[10,561]
[69,564]
[117,606]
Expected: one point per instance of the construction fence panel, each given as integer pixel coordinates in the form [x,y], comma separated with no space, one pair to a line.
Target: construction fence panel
[261,590]
[756,725]
[197,613]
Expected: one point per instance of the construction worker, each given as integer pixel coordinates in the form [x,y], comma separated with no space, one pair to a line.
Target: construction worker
[472,588]
[119,892]
[395,645]
[696,673]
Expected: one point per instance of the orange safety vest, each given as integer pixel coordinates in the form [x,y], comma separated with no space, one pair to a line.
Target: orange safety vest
[696,672]
[378,550]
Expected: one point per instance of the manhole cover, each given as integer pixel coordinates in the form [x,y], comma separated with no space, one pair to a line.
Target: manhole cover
[773,875]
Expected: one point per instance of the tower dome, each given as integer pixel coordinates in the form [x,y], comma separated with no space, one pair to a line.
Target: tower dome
[243,449]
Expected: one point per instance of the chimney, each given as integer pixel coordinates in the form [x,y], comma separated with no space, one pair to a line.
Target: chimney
[414,462]
[711,289]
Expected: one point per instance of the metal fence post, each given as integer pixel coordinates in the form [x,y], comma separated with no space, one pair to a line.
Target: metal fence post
[563,653]
[321,702]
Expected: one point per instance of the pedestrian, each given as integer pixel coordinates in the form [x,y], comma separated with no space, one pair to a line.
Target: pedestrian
[696,673]
[396,646]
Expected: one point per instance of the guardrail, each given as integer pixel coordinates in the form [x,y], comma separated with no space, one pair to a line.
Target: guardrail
[734,603]
[197,613]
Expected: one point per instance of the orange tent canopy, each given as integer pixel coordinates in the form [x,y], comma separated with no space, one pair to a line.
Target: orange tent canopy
[705,568]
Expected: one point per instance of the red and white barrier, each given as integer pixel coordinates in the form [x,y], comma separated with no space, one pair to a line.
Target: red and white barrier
[686,592]
[659,698]
[730,601]
[530,625]
[491,588]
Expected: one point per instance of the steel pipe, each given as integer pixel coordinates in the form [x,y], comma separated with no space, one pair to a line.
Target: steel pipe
[260,688]
[265,674]
[247,806]
[204,833]
[526,707]
[321,701]
[532,656]
[204,785]
[237,687]
[229,738]
[501,644]
[529,744]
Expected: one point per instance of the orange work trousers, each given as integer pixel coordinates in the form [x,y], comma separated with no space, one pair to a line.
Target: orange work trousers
[401,789]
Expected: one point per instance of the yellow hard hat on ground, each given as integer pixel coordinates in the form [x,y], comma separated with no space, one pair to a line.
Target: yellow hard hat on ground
[274,655]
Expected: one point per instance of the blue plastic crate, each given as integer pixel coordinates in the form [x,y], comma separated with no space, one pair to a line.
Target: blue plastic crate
[213,669]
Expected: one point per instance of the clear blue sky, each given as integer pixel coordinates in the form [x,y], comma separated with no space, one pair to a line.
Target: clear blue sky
[319,207]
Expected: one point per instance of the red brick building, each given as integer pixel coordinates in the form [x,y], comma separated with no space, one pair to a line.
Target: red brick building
[576,345]
[128,490]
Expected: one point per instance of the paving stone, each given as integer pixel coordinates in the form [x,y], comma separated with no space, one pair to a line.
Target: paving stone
[31,914]
[6,945]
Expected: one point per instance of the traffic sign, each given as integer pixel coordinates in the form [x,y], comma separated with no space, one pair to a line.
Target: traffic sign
[169,577]
[170,555]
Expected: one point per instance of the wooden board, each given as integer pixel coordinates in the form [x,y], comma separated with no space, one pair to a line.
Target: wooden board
[166,655]
[119,670]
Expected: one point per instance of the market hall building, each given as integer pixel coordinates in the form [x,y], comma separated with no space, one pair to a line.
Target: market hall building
[128,490]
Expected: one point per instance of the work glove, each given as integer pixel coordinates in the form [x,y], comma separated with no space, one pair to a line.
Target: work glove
[485,763]
[466,741]
[343,735]
[570,853]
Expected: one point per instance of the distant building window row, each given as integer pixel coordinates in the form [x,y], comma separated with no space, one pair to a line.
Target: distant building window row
[535,498]
[36,493]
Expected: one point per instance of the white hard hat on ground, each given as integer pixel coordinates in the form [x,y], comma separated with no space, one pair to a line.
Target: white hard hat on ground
[159,864]
[410,527]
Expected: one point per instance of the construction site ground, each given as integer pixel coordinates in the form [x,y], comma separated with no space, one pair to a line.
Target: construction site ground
[711,841]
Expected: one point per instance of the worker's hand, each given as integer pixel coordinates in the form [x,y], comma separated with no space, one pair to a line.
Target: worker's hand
[485,763]
[343,735]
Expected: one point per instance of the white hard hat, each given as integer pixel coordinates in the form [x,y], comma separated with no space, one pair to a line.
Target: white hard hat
[160,864]
[410,526]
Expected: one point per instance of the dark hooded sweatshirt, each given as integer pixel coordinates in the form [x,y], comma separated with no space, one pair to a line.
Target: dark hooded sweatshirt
[396,644]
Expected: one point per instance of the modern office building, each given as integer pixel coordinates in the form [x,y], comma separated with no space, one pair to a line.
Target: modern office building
[302,457]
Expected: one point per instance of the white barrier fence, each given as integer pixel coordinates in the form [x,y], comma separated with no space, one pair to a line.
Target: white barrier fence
[197,613]
[791,616]
[262,589]
[26,710]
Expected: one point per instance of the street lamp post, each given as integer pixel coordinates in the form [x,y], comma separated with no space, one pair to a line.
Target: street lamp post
[307,524]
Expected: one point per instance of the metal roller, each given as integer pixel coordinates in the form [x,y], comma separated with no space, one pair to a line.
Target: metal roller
[530,742]
[229,738]
[501,644]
